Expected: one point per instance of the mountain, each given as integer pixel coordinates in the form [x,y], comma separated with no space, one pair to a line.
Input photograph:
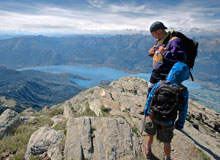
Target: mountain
[30,51]
[104,122]
[22,89]
[125,52]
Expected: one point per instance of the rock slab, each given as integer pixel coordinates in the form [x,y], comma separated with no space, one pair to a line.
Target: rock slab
[98,138]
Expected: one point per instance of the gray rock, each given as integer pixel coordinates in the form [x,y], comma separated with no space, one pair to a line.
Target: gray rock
[9,120]
[126,98]
[101,139]
[45,140]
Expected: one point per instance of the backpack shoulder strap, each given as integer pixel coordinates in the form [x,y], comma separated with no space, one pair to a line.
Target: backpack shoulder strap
[170,37]
[181,88]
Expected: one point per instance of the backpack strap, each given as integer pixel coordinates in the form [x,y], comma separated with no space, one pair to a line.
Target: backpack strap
[191,75]
[172,35]
[181,88]
[168,38]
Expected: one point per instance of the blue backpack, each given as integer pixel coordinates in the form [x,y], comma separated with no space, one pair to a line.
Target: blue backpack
[164,105]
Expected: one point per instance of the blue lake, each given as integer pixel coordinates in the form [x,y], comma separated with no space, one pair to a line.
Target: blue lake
[96,74]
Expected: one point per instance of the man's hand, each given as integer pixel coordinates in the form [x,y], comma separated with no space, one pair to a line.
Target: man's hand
[162,50]
[152,50]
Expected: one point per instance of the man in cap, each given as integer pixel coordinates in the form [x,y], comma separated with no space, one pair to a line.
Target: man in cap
[164,54]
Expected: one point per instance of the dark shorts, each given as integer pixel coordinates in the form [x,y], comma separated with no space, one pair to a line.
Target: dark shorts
[164,132]
[156,77]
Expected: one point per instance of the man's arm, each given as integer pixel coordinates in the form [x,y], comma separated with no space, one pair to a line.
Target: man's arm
[175,51]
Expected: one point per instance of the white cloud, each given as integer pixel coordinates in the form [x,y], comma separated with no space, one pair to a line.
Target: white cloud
[97,3]
[110,17]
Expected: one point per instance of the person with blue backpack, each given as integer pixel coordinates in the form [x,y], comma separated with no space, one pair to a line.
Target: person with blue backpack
[166,100]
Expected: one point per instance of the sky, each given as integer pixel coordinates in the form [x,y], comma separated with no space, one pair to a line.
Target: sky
[107,16]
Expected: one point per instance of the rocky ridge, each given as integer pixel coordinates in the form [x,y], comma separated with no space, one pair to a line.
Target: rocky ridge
[104,123]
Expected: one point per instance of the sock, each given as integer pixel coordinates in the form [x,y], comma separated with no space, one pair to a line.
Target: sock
[167,158]
[149,148]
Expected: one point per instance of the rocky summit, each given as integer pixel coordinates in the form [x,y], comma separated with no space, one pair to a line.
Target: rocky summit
[104,123]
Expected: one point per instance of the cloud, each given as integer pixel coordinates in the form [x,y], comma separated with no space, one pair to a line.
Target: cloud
[102,16]
[97,3]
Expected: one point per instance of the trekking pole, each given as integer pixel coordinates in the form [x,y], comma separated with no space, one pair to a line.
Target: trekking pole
[143,124]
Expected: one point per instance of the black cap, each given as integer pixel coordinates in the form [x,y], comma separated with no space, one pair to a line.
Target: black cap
[157,25]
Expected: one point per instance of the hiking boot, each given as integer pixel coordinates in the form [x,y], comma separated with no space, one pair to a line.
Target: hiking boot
[148,153]
[167,158]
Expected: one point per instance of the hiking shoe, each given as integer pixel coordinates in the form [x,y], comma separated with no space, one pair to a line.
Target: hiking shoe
[149,155]
[167,158]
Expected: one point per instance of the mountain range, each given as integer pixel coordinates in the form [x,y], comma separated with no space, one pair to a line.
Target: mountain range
[22,89]
[124,52]
[127,52]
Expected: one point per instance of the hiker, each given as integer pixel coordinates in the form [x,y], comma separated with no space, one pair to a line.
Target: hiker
[162,107]
[166,52]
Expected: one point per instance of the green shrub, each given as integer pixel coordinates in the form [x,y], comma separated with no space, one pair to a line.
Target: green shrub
[17,141]
[42,121]
[56,111]
[35,157]
[105,111]
[60,126]
[88,112]
[135,130]
[18,157]
[203,156]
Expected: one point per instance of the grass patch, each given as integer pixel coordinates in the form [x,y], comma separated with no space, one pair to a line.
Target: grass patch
[135,159]
[70,105]
[135,130]
[56,111]
[42,121]
[88,112]
[34,157]
[105,111]
[203,156]
[60,126]
[16,143]
[7,102]
[105,87]
[91,91]
[93,128]
[18,157]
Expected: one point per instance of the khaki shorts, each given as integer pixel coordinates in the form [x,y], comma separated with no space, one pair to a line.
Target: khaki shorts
[164,132]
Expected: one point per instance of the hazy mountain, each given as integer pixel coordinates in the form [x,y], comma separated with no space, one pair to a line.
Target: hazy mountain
[119,51]
[125,52]
[22,89]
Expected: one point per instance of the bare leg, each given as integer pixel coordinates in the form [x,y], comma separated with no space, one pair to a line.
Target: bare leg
[150,140]
[147,147]
[167,149]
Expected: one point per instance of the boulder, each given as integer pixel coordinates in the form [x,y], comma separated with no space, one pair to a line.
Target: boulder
[9,120]
[46,140]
